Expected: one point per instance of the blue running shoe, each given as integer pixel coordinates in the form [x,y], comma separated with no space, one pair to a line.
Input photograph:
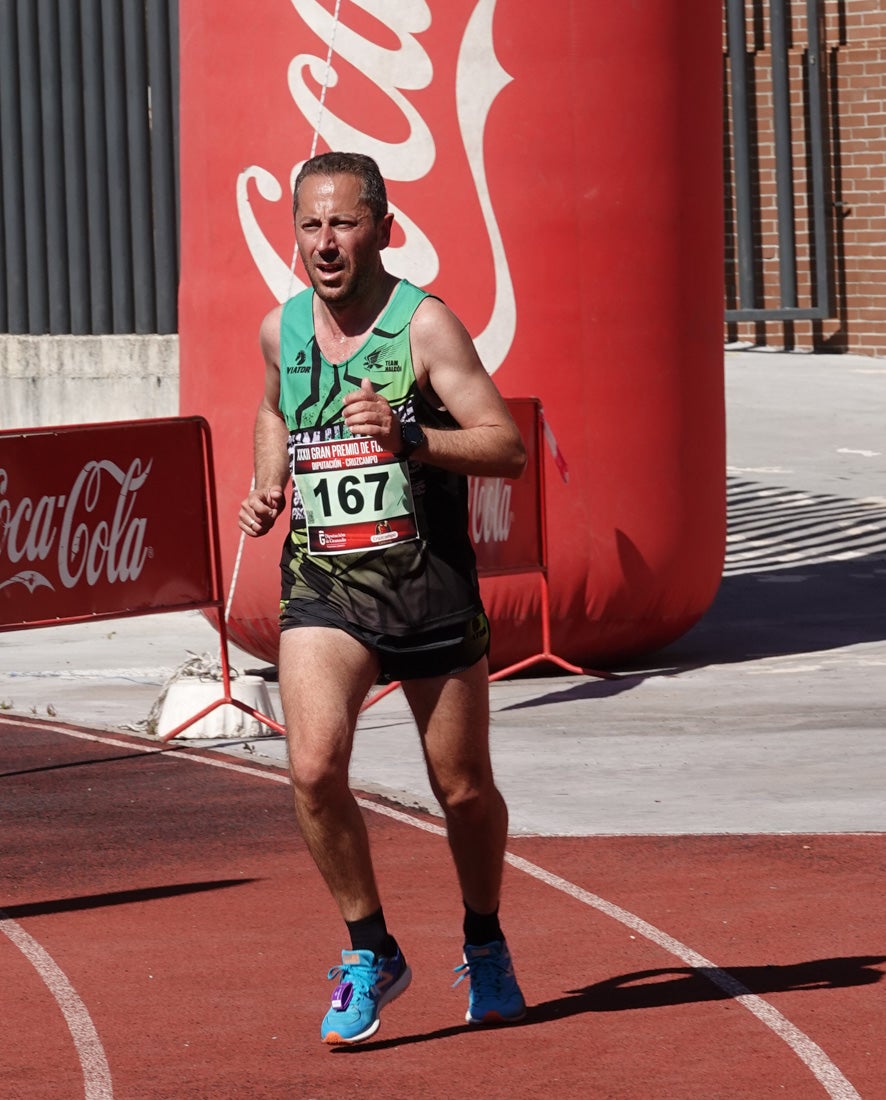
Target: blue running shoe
[365,986]
[495,997]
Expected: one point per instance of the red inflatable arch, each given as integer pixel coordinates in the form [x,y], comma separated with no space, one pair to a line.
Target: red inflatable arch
[555,176]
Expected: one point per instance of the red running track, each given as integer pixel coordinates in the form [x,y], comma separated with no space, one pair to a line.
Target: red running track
[166,936]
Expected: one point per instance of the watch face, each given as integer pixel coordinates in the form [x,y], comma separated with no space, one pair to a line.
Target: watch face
[413,436]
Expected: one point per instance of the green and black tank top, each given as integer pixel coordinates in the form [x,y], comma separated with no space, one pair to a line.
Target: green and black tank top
[416,585]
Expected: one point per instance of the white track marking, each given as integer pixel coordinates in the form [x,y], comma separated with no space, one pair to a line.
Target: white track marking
[94,1064]
[137,675]
[809,1052]
[757,470]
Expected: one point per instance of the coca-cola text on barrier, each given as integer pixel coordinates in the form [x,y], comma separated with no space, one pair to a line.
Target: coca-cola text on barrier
[504,514]
[101,521]
[104,520]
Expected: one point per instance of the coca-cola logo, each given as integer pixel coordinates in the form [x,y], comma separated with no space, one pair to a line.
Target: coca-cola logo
[472,87]
[489,505]
[88,535]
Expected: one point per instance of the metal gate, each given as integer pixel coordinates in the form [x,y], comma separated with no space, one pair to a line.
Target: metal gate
[89,166]
[775,164]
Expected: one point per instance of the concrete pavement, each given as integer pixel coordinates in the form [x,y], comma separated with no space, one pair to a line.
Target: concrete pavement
[767,717]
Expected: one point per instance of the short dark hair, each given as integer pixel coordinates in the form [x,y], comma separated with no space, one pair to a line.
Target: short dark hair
[373,191]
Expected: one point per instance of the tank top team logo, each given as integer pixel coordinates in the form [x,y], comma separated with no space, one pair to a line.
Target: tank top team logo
[382,360]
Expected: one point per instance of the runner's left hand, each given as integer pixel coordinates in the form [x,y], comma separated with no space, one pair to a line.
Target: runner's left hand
[367,413]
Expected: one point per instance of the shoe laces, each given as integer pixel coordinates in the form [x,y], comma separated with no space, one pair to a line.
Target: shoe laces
[486,973]
[353,978]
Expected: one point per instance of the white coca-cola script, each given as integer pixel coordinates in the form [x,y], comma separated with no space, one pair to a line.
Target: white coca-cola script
[473,86]
[87,535]
[489,505]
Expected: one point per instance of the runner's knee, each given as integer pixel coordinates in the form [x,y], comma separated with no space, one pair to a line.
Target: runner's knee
[466,799]
[318,778]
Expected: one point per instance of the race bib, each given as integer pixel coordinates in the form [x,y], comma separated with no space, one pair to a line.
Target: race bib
[356,496]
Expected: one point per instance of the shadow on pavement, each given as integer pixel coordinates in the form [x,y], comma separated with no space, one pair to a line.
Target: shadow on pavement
[804,572]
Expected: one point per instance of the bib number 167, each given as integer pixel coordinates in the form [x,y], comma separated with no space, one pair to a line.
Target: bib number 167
[351,494]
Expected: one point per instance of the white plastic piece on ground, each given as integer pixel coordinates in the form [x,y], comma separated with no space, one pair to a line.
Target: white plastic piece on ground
[188,696]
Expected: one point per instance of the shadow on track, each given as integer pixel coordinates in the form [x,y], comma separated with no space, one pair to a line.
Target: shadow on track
[664,988]
[117,897]
[686,985]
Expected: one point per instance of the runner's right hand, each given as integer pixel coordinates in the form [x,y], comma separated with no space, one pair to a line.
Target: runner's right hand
[260,509]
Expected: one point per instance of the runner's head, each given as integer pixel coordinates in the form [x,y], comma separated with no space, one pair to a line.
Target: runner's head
[372,187]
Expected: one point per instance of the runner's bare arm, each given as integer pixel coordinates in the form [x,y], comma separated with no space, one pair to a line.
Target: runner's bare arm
[264,503]
[450,373]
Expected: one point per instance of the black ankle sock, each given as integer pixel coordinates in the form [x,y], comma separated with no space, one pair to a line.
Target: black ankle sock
[371,934]
[480,928]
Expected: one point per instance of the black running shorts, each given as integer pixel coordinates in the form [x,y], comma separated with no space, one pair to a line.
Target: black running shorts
[440,652]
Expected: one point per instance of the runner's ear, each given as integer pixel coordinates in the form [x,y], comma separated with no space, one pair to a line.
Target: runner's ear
[384,230]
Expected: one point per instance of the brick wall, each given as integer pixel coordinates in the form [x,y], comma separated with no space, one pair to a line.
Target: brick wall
[854,79]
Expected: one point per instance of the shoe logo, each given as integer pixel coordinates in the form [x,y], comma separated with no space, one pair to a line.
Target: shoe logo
[385,978]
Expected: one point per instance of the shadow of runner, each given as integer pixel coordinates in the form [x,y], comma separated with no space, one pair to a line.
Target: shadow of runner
[686,985]
[663,988]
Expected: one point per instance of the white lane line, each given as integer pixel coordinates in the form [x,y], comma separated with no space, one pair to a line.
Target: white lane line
[809,1052]
[757,470]
[138,674]
[93,1063]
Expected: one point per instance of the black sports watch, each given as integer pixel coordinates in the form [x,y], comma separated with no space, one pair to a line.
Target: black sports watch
[413,437]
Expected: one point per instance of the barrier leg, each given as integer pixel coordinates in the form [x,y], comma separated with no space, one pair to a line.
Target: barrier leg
[546,656]
[227,698]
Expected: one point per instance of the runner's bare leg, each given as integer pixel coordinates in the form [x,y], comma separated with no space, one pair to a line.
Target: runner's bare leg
[452,714]
[324,677]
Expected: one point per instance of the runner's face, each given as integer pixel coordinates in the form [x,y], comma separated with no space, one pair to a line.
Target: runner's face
[338,239]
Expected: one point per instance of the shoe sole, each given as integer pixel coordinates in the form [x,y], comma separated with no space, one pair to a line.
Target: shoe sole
[493,1018]
[391,994]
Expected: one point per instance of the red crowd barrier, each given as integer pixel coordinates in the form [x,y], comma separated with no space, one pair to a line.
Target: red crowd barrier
[508,524]
[103,521]
[514,538]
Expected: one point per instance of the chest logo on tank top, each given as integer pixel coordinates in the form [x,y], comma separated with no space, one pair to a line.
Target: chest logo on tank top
[383,359]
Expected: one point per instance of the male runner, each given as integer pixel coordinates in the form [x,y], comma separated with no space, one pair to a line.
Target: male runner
[377,405]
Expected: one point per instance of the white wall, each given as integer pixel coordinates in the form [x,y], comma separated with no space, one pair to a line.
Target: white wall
[47,380]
